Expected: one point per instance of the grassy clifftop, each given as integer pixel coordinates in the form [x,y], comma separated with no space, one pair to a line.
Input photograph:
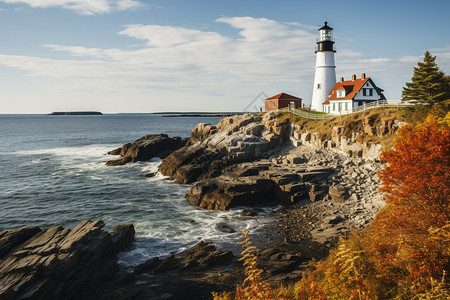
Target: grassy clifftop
[376,125]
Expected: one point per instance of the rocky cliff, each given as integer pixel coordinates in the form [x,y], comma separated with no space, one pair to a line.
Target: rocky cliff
[218,156]
[352,147]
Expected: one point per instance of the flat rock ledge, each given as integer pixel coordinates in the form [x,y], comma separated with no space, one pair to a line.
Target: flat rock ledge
[59,263]
[261,182]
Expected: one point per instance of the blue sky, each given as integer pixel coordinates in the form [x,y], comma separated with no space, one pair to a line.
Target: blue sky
[174,55]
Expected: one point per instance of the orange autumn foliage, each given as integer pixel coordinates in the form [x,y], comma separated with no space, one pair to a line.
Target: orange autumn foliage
[417,177]
[412,233]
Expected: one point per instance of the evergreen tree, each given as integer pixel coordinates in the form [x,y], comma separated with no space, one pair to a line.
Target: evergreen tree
[428,83]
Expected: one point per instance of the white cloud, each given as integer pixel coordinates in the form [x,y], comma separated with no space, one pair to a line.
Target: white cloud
[85,7]
[410,59]
[168,36]
[375,60]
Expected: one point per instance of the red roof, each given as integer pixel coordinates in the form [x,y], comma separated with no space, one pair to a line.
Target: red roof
[352,87]
[283,96]
[326,102]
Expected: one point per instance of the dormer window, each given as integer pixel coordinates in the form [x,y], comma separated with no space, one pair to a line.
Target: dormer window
[341,93]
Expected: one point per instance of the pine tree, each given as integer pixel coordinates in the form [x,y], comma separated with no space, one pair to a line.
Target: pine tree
[428,84]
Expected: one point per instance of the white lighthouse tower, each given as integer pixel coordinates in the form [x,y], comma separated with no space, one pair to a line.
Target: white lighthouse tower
[325,77]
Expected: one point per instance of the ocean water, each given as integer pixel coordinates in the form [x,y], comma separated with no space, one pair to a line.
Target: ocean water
[53,172]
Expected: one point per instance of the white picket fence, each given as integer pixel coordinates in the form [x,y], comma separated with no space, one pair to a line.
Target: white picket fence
[322,116]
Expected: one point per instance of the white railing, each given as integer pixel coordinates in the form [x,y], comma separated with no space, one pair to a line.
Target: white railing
[323,116]
[379,103]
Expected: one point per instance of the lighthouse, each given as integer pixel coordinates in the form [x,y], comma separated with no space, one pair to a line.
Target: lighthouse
[325,77]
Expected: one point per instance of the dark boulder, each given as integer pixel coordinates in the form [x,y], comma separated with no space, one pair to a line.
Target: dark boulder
[225,228]
[146,148]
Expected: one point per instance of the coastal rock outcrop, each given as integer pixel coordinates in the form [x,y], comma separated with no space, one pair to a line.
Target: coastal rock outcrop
[146,148]
[224,192]
[235,139]
[58,263]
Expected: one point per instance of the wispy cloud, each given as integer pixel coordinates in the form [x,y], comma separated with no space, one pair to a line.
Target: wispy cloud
[84,7]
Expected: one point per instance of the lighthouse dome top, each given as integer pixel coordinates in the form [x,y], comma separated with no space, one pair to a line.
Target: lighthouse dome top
[325,26]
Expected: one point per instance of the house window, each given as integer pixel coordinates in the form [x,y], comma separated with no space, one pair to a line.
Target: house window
[364,92]
[273,104]
[370,92]
[340,106]
[334,106]
[346,106]
[318,86]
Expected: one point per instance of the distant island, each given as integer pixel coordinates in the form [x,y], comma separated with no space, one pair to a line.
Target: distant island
[75,113]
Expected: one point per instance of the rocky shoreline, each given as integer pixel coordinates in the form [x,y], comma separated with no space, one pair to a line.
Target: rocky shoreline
[326,188]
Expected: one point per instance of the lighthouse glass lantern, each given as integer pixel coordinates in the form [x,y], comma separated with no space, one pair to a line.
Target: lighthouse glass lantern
[325,42]
[325,34]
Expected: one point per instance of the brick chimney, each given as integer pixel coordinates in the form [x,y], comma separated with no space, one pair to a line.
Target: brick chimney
[353,77]
[363,76]
[341,80]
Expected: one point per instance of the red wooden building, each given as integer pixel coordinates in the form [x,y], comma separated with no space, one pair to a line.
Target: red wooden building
[282,100]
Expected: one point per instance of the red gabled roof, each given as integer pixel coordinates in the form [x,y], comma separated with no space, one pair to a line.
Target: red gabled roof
[326,102]
[351,86]
[283,96]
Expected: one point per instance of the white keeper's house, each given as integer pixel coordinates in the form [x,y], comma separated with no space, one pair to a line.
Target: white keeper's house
[347,94]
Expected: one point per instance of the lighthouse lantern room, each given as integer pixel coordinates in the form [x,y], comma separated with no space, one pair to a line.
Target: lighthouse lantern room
[325,75]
